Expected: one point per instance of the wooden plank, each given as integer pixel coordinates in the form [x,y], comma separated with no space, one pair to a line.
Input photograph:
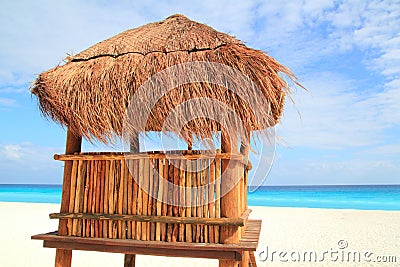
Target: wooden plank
[150,199]
[164,204]
[96,202]
[117,184]
[170,252]
[145,186]
[101,203]
[189,190]
[211,200]
[175,208]
[199,201]
[194,198]
[85,199]
[170,226]
[90,198]
[251,234]
[129,198]
[124,176]
[140,198]
[74,171]
[111,178]
[205,185]
[77,225]
[182,202]
[124,156]
[217,195]
[159,196]
[106,195]
[150,218]
[135,166]
[154,197]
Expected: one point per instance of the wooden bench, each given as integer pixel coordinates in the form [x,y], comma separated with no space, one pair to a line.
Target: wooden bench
[248,242]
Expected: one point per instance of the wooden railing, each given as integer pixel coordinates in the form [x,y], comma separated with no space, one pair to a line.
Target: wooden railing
[150,196]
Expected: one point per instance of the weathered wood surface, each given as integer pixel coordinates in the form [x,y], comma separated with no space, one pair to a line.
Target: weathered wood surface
[73,145]
[107,156]
[248,242]
[230,200]
[104,185]
[151,218]
[129,260]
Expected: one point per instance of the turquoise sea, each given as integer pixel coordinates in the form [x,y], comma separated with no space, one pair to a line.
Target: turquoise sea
[363,197]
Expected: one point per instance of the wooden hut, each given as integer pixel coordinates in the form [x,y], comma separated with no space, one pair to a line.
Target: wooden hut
[159,203]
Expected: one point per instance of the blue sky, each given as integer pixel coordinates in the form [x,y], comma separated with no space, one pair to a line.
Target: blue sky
[347,54]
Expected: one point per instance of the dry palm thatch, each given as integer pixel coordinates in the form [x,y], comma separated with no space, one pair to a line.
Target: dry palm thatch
[91,92]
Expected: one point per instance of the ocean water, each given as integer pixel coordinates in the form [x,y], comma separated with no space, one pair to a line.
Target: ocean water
[363,197]
[30,193]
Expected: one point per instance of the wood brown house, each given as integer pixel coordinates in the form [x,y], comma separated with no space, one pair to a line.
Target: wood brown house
[188,203]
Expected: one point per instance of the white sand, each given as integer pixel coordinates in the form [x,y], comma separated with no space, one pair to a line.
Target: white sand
[284,229]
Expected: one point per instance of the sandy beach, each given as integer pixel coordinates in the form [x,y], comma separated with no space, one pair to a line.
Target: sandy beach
[289,237]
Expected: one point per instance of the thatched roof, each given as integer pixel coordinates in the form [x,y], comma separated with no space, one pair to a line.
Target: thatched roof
[90,93]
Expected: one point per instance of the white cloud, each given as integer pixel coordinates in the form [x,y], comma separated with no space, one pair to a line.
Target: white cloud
[384,150]
[29,163]
[335,168]
[27,152]
[371,25]
[7,102]
[335,115]
[44,31]
[6,77]
[12,151]
[338,111]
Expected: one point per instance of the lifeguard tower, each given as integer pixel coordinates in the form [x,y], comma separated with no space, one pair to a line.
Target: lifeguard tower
[184,203]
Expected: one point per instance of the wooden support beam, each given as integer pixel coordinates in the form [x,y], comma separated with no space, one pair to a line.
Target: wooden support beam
[144,155]
[73,145]
[230,195]
[134,143]
[244,150]
[190,142]
[151,218]
[129,259]
[63,257]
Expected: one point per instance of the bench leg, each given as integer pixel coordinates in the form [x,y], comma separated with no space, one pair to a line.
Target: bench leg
[245,259]
[63,258]
[129,260]
[228,263]
[252,259]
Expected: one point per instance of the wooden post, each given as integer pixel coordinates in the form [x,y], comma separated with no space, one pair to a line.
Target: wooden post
[134,143]
[230,196]
[129,260]
[217,195]
[190,142]
[244,150]
[74,142]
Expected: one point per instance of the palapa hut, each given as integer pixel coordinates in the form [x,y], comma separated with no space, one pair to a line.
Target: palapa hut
[156,202]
